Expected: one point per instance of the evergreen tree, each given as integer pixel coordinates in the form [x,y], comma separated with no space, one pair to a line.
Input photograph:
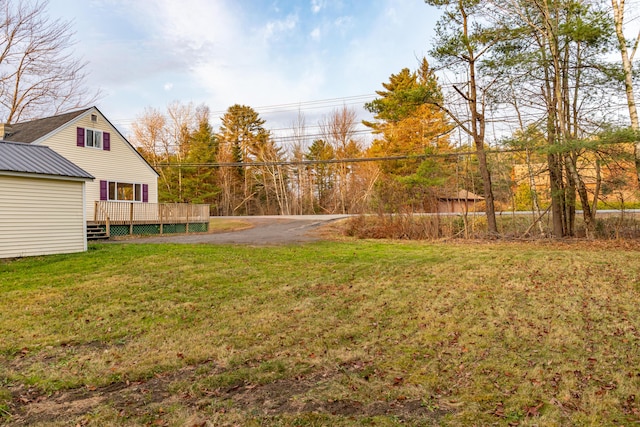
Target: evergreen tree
[556,53]
[200,180]
[323,174]
[240,136]
[463,39]
[408,125]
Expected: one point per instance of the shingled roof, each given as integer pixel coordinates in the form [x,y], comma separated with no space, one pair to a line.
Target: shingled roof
[17,157]
[461,195]
[36,129]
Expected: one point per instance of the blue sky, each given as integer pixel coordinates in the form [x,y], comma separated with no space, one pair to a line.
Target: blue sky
[148,53]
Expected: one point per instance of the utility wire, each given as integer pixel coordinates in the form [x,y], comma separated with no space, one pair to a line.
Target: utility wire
[335,161]
[294,106]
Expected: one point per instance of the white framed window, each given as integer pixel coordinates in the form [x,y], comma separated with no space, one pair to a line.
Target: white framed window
[93,138]
[124,192]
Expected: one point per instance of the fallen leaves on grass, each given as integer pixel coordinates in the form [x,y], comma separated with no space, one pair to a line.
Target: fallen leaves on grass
[534,411]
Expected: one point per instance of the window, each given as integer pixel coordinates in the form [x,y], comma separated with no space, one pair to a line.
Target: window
[124,191]
[93,138]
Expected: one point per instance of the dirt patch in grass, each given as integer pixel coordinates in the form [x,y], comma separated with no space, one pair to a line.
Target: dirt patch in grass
[218,225]
[145,400]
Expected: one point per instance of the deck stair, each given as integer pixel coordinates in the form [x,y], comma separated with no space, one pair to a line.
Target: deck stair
[96,232]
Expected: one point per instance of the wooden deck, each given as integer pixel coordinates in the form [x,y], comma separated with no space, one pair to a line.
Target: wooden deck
[135,214]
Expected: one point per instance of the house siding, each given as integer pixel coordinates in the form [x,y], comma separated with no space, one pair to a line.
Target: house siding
[120,163]
[41,216]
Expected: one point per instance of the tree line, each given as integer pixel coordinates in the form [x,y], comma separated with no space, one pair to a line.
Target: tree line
[546,64]
[240,169]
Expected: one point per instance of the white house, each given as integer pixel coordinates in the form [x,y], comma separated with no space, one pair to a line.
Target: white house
[42,199]
[90,141]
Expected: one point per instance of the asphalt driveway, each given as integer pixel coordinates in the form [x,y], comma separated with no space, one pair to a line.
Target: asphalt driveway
[265,230]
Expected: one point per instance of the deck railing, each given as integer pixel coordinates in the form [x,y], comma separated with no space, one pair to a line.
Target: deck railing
[130,213]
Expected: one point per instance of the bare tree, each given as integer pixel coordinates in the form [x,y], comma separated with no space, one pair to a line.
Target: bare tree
[274,178]
[228,179]
[182,122]
[339,130]
[302,188]
[627,59]
[627,68]
[164,140]
[151,139]
[39,74]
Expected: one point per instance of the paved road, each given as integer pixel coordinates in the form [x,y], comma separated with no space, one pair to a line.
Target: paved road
[266,230]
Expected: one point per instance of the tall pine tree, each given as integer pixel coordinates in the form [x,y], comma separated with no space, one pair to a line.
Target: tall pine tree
[407,125]
[240,135]
[200,179]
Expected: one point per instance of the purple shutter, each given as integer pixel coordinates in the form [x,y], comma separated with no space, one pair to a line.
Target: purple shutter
[80,137]
[103,190]
[145,193]
[106,141]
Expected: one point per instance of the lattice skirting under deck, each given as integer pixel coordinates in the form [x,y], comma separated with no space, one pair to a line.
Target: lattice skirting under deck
[150,229]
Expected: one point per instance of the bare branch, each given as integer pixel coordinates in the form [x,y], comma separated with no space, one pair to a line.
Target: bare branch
[39,75]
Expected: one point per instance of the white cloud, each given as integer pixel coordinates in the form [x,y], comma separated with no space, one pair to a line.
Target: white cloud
[237,64]
[392,14]
[274,29]
[145,39]
[224,52]
[343,23]
[316,34]
[317,5]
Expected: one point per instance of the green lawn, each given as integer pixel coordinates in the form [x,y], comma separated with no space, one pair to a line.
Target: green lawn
[350,333]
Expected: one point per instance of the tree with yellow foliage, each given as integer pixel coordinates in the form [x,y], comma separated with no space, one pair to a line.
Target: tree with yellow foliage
[405,125]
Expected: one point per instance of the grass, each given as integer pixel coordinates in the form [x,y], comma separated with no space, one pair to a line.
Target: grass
[364,333]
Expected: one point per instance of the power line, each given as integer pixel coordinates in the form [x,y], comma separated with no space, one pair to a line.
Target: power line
[285,139]
[293,106]
[338,161]
[321,103]
[506,120]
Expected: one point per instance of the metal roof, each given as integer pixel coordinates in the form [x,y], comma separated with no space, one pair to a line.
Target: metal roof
[18,157]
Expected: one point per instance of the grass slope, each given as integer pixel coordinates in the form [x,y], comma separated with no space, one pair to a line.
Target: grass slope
[324,334]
